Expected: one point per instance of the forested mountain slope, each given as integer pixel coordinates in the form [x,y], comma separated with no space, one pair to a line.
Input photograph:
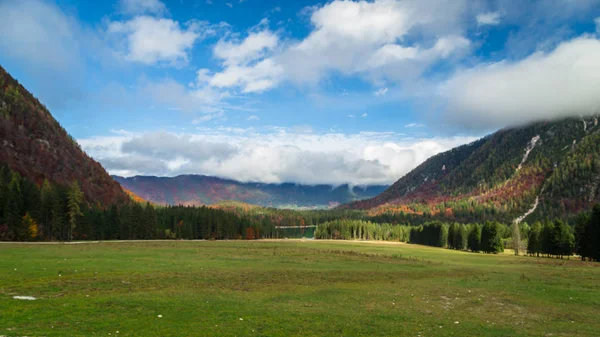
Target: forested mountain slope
[38,148]
[204,190]
[549,169]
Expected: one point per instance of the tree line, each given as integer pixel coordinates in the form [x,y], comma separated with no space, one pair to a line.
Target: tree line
[552,239]
[488,237]
[31,212]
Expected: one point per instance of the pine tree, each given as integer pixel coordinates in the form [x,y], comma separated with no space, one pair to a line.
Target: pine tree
[474,239]
[561,239]
[74,201]
[136,219]
[546,243]
[534,245]
[452,235]
[14,209]
[461,237]
[593,234]
[58,217]
[114,224]
[491,238]
[150,222]
[46,195]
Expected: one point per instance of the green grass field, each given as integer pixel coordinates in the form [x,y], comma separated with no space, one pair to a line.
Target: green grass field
[291,288]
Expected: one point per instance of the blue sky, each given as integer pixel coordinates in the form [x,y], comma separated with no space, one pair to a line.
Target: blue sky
[312,92]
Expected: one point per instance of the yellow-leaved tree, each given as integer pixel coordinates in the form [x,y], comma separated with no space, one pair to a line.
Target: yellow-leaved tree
[32,227]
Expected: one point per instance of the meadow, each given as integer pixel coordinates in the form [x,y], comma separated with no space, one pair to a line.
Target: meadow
[290,288]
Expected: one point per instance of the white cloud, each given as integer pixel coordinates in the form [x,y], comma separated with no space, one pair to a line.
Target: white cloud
[230,5]
[390,53]
[244,62]
[351,116]
[279,155]
[414,125]
[563,82]
[203,76]
[256,78]
[346,33]
[343,36]
[381,92]
[250,49]
[152,40]
[135,7]
[253,118]
[364,115]
[446,46]
[489,18]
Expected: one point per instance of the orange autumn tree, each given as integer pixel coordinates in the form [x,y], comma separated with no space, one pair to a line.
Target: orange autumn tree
[32,227]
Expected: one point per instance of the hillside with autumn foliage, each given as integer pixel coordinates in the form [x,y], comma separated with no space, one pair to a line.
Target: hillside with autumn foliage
[196,190]
[548,169]
[38,148]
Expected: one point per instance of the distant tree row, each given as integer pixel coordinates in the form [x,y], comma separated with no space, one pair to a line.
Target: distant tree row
[487,238]
[553,239]
[344,229]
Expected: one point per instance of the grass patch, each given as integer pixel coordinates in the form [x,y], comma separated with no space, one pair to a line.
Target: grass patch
[290,288]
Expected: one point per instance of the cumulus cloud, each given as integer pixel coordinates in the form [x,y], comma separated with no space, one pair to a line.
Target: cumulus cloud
[251,48]
[489,18]
[274,156]
[151,40]
[135,7]
[259,77]
[563,82]
[245,63]
[346,33]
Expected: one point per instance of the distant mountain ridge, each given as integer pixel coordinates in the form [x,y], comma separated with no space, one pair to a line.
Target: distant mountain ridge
[207,190]
[546,169]
[35,145]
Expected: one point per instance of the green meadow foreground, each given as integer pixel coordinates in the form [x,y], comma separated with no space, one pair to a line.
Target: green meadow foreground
[291,288]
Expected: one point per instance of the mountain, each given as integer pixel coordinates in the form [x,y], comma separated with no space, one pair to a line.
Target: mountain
[205,190]
[547,169]
[38,148]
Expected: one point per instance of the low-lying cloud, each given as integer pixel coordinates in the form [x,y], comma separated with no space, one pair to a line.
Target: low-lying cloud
[564,82]
[276,156]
